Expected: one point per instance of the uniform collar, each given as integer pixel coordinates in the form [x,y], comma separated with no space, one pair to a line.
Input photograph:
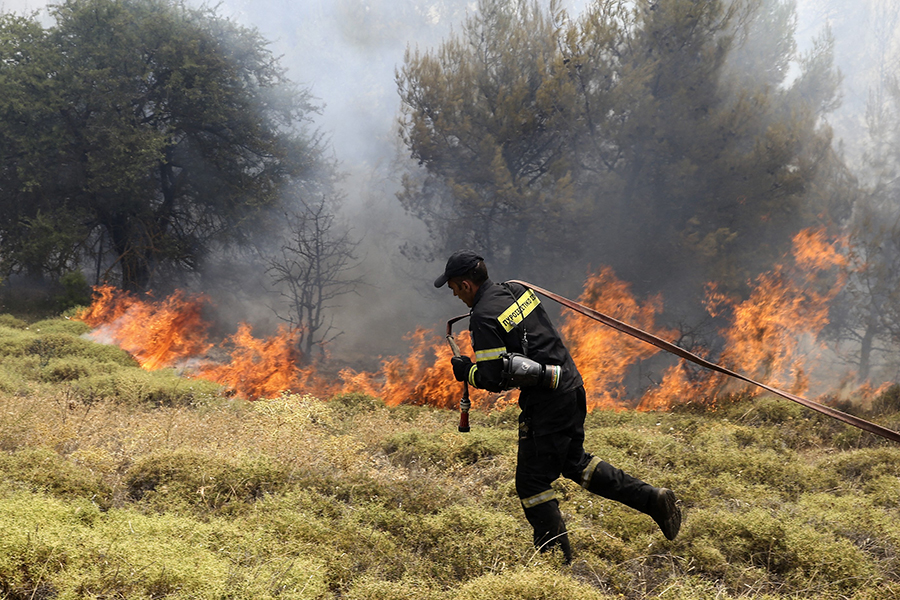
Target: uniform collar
[481,290]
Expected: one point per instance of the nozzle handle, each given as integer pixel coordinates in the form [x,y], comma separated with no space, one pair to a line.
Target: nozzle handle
[464,406]
[464,403]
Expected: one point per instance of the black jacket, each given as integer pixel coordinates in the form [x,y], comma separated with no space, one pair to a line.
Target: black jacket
[508,317]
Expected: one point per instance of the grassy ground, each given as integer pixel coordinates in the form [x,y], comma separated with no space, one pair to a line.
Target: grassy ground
[118,483]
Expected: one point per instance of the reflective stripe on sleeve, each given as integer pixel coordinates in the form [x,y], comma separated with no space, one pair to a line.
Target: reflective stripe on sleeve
[490,354]
[539,499]
[472,371]
[589,472]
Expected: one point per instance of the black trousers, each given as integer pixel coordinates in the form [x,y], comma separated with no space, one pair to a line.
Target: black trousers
[544,458]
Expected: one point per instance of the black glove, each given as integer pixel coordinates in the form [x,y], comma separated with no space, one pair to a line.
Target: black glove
[461,367]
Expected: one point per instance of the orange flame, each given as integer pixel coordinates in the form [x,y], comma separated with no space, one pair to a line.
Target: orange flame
[169,332]
[604,355]
[258,368]
[786,308]
[157,334]
[423,377]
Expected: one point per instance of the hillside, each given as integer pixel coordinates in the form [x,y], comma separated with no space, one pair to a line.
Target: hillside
[125,483]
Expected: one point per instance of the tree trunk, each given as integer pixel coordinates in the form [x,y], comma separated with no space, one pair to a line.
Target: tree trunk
[865,352]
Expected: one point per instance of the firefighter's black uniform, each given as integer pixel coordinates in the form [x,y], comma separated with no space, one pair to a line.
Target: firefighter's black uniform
[509,318]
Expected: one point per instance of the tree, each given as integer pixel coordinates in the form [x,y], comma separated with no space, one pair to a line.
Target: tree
[661,138]
[35,235]
[697,151]
[867,313]
[480,115]
[153,131]
[311,270]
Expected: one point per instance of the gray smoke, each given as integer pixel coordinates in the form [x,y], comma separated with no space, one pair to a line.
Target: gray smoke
[346,53]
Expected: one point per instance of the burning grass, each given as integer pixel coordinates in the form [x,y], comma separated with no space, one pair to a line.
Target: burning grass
[769,336]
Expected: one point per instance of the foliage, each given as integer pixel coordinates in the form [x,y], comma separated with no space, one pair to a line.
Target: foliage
[75,291]
[654,135]
[866,313]
[481,115]
[143,133]
[301,498]
[12,322]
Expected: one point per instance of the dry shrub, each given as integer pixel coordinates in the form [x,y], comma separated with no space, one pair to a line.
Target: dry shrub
[184,477]
[372,588]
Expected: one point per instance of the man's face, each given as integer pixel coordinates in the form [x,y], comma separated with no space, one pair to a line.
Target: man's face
[464,290]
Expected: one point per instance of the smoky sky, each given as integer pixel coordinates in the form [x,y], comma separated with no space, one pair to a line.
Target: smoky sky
[346,53]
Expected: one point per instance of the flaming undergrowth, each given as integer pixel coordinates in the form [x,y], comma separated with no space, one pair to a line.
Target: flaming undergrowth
[160,487]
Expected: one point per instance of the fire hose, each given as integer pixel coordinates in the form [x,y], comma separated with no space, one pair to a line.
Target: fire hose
[689,356]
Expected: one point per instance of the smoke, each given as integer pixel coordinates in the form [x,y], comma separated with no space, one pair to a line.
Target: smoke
[867,41]
[346,52]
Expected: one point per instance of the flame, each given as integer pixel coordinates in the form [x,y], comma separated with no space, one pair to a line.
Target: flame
[170,332]
[769,336]
[772,333]
[258,368]
[604,355]
[157,334]
[423,376]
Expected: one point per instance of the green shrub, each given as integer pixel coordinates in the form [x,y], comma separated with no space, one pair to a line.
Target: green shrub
[71,368]
[865,464]
[57,345]
[411,447]
[12,322]
[16,371]
[746,454]
[71,550]
[752,536]
[459,540]
[414,446]
[14,342]
[43,470]
[71,327]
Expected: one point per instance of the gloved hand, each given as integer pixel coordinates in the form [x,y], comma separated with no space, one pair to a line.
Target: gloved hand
[461,367]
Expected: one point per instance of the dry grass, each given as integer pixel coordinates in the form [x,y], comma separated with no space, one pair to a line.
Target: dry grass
[125,495]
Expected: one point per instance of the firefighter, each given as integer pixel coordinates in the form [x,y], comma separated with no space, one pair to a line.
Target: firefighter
[516,346]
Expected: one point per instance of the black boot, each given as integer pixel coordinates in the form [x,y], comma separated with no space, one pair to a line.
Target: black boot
[664,509]
[549,528]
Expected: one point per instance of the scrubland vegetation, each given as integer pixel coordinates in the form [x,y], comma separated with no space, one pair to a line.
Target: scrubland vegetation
[122,483]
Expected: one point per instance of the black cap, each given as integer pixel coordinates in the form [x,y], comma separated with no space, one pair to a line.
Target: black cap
[459,263]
